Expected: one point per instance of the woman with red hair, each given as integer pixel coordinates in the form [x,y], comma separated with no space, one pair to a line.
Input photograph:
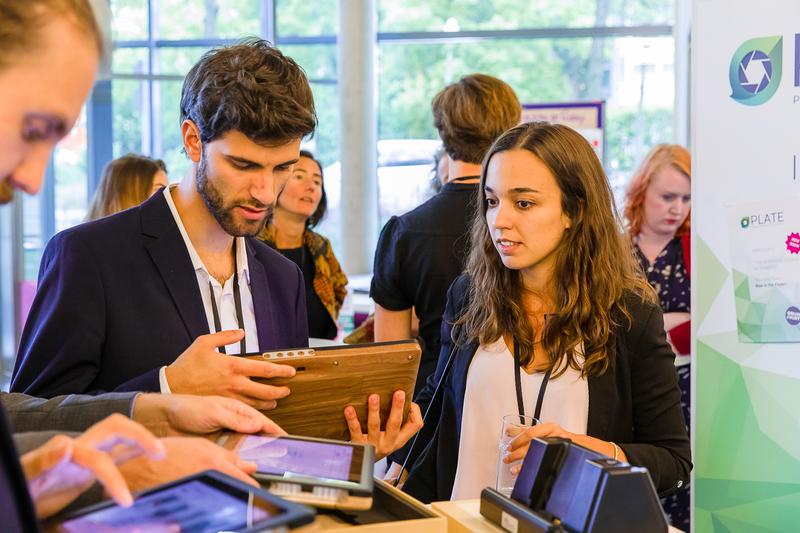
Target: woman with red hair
[657,210]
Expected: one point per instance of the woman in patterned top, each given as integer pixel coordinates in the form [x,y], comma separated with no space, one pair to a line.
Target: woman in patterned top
[657,210]
[301,205]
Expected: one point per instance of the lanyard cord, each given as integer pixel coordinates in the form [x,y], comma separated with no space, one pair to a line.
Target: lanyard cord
[518,382]
[462,179]
[237,301]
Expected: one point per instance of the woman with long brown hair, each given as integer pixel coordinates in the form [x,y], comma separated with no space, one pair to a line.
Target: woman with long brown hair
[127,182]
[552,315]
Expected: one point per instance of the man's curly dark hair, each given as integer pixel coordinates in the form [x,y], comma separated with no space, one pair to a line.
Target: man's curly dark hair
[250,87]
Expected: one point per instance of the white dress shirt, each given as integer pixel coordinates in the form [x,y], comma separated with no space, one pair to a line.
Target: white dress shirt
[490,395]
[223,294]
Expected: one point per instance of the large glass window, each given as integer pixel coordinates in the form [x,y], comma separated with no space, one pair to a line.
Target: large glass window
[149,66]
[472,15]
[69,169]
[618,51]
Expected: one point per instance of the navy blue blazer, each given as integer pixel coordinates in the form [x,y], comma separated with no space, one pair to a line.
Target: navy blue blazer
[636,403]
[118,299]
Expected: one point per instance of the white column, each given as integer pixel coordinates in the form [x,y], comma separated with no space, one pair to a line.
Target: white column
[682,33]
[358,133]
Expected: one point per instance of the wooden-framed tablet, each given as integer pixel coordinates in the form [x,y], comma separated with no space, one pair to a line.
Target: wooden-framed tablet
[320,472]
[332,377]
[207,502]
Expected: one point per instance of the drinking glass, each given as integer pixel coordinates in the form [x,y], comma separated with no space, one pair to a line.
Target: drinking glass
[512,426]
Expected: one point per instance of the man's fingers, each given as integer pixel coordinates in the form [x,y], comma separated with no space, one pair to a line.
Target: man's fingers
[261,405]
[248,467]
[221,338]
[353,424]
[260,391]
[229,463]
[106,472]
[271,428]
[235,415]
[261,369]
[245,419]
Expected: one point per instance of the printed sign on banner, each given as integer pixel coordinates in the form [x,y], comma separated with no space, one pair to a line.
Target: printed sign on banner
[584,117]
[765,255]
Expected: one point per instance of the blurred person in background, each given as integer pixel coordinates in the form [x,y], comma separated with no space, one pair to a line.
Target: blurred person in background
[420,253]
[439,171]
[301,206]
[127,182]
[657,211]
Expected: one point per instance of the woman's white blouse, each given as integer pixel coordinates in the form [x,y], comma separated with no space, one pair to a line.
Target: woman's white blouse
[490,395]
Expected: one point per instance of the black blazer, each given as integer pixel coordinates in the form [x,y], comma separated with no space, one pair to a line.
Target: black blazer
[118,298]
[636,404]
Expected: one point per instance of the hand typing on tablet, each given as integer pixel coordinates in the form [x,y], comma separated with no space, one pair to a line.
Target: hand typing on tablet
[201,369]
[185,456]
[396,433]
[63,468]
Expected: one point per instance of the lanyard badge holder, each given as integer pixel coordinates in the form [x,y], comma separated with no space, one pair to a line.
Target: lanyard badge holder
[518,384]
[237,302]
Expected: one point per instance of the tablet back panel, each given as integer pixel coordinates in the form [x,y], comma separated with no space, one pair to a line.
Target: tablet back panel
[337,376]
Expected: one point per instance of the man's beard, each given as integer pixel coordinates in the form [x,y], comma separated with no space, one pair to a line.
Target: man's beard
[6,192]
[224,214]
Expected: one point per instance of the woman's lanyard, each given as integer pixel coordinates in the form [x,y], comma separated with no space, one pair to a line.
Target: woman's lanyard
[518,382]
[237,302]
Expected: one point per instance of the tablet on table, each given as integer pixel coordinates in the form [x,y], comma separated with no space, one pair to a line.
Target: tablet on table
[319,472]
[207,502]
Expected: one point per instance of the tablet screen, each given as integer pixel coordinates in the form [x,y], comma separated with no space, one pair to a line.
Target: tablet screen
[193,507]
[570,478]
[287,457]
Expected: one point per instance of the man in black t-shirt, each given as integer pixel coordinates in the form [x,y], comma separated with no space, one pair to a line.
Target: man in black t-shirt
[420,253]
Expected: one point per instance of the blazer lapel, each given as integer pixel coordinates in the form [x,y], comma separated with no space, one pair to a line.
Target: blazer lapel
[168,251]
[266,322]
[603,399]
[459,376]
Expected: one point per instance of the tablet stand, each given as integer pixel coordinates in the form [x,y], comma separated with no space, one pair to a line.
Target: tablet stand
[563,487]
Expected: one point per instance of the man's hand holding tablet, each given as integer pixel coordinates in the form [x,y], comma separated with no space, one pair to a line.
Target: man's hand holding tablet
[201,369]
[170,415]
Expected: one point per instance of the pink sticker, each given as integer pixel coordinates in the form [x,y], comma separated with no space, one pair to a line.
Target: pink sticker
[793,243]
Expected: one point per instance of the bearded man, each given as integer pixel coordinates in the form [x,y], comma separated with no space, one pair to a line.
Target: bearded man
[158,297]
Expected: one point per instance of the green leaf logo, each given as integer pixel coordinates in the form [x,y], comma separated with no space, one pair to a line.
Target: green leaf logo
[755,71]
